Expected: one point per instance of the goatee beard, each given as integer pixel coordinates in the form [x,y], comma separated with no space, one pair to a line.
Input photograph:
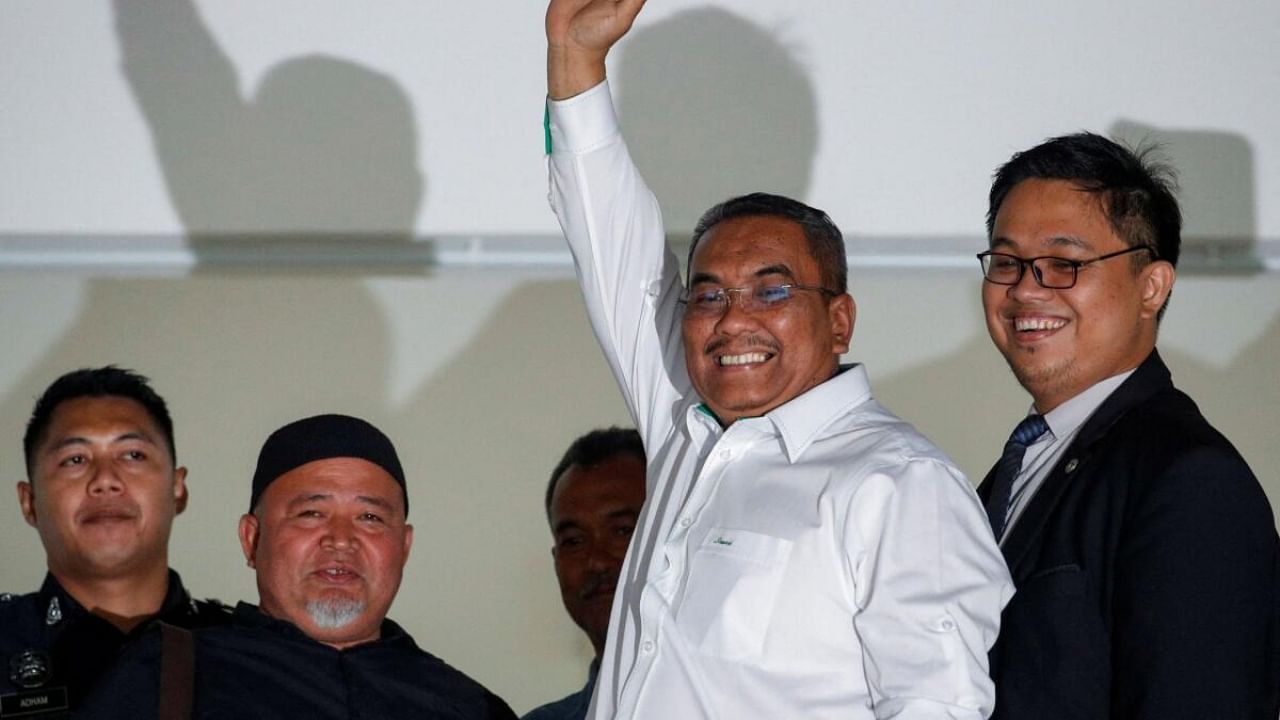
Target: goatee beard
[334,614]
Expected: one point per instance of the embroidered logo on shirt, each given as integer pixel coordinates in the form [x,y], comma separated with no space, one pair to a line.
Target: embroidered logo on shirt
[722,540]
[29,669]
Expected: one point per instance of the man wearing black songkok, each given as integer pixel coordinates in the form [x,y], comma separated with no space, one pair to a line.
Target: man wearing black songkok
[327,537]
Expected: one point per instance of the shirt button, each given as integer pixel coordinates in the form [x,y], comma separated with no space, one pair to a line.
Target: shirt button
[686,522]
[647,646]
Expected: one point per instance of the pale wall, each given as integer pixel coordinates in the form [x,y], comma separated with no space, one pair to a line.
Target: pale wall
[422,119]
[891,113]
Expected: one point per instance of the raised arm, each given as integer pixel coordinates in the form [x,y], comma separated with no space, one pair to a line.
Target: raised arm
[579,35]
[629,278]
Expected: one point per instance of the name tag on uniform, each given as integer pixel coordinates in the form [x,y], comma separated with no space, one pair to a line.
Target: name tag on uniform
[33,703]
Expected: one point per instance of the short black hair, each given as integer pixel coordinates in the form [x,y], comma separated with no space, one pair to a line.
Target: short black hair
[1136,187]
[109,381]
[826,242]
[592,449]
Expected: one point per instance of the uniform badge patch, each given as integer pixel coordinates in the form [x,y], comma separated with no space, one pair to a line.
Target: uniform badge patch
[53,615]
[30,669]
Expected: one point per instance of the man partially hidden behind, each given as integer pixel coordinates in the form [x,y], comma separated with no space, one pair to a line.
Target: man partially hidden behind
[802,553]
[593,502]
[102,490]
[1143,549]
[328,538]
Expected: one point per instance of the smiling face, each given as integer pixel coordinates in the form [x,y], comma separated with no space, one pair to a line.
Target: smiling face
[1061,342]
[329,542]
[744,364]
[593,514]
[103,491]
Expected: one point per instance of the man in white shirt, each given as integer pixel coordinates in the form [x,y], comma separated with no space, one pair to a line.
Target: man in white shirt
[803,552]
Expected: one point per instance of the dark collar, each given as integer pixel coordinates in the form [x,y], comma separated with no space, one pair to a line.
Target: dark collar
[248,615]
[60,607]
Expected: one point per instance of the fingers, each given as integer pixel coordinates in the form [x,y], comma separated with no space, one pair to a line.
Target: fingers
[580,34]
[589,25]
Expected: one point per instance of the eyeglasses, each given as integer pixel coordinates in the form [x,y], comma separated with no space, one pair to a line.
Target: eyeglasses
[1054,273]
[714,302]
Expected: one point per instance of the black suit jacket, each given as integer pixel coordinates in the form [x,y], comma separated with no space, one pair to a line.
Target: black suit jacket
[1146,569]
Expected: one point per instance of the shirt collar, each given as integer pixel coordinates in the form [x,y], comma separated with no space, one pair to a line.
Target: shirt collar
[798,421]
[1070,415]
[60,606]
[250,615]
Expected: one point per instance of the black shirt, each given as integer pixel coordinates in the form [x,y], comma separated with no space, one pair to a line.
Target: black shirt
[260,667]
[53,649]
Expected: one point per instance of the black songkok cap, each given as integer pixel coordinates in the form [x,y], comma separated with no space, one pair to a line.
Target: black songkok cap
[319,438]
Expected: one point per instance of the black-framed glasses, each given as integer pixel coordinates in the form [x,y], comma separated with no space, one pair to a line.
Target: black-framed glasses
[1049,271]
[714,301]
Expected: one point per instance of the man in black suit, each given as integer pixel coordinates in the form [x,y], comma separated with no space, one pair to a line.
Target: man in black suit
[1142,546]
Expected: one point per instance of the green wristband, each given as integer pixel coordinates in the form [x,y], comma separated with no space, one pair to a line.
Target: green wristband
[546,127]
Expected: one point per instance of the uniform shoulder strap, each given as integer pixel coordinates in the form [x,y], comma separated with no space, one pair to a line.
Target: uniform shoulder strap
[177,672]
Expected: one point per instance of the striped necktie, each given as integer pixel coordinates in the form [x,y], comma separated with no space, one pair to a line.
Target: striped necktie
[1027,432]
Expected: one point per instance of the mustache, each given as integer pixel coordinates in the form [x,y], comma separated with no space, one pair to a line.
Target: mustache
[599,585]
[107,509]
[748,342]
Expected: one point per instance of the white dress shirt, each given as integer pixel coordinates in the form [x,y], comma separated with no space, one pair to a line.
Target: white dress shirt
[822,561]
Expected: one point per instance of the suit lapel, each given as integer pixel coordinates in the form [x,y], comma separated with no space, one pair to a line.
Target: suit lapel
[1150,377]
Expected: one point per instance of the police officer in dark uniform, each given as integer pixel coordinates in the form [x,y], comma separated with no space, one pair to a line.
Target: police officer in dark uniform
[102,489]
[55,648]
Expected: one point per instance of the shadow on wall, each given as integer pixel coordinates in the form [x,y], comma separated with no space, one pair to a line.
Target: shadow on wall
[1220,236]
[1242,400]
[489,426]
[1216,192]
[324,149]
[965,402]
[715,106]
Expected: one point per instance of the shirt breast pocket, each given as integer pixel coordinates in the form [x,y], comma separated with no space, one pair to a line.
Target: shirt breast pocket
[733,585]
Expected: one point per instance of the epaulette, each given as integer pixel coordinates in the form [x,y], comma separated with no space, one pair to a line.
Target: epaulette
[211,611]
[11,601]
